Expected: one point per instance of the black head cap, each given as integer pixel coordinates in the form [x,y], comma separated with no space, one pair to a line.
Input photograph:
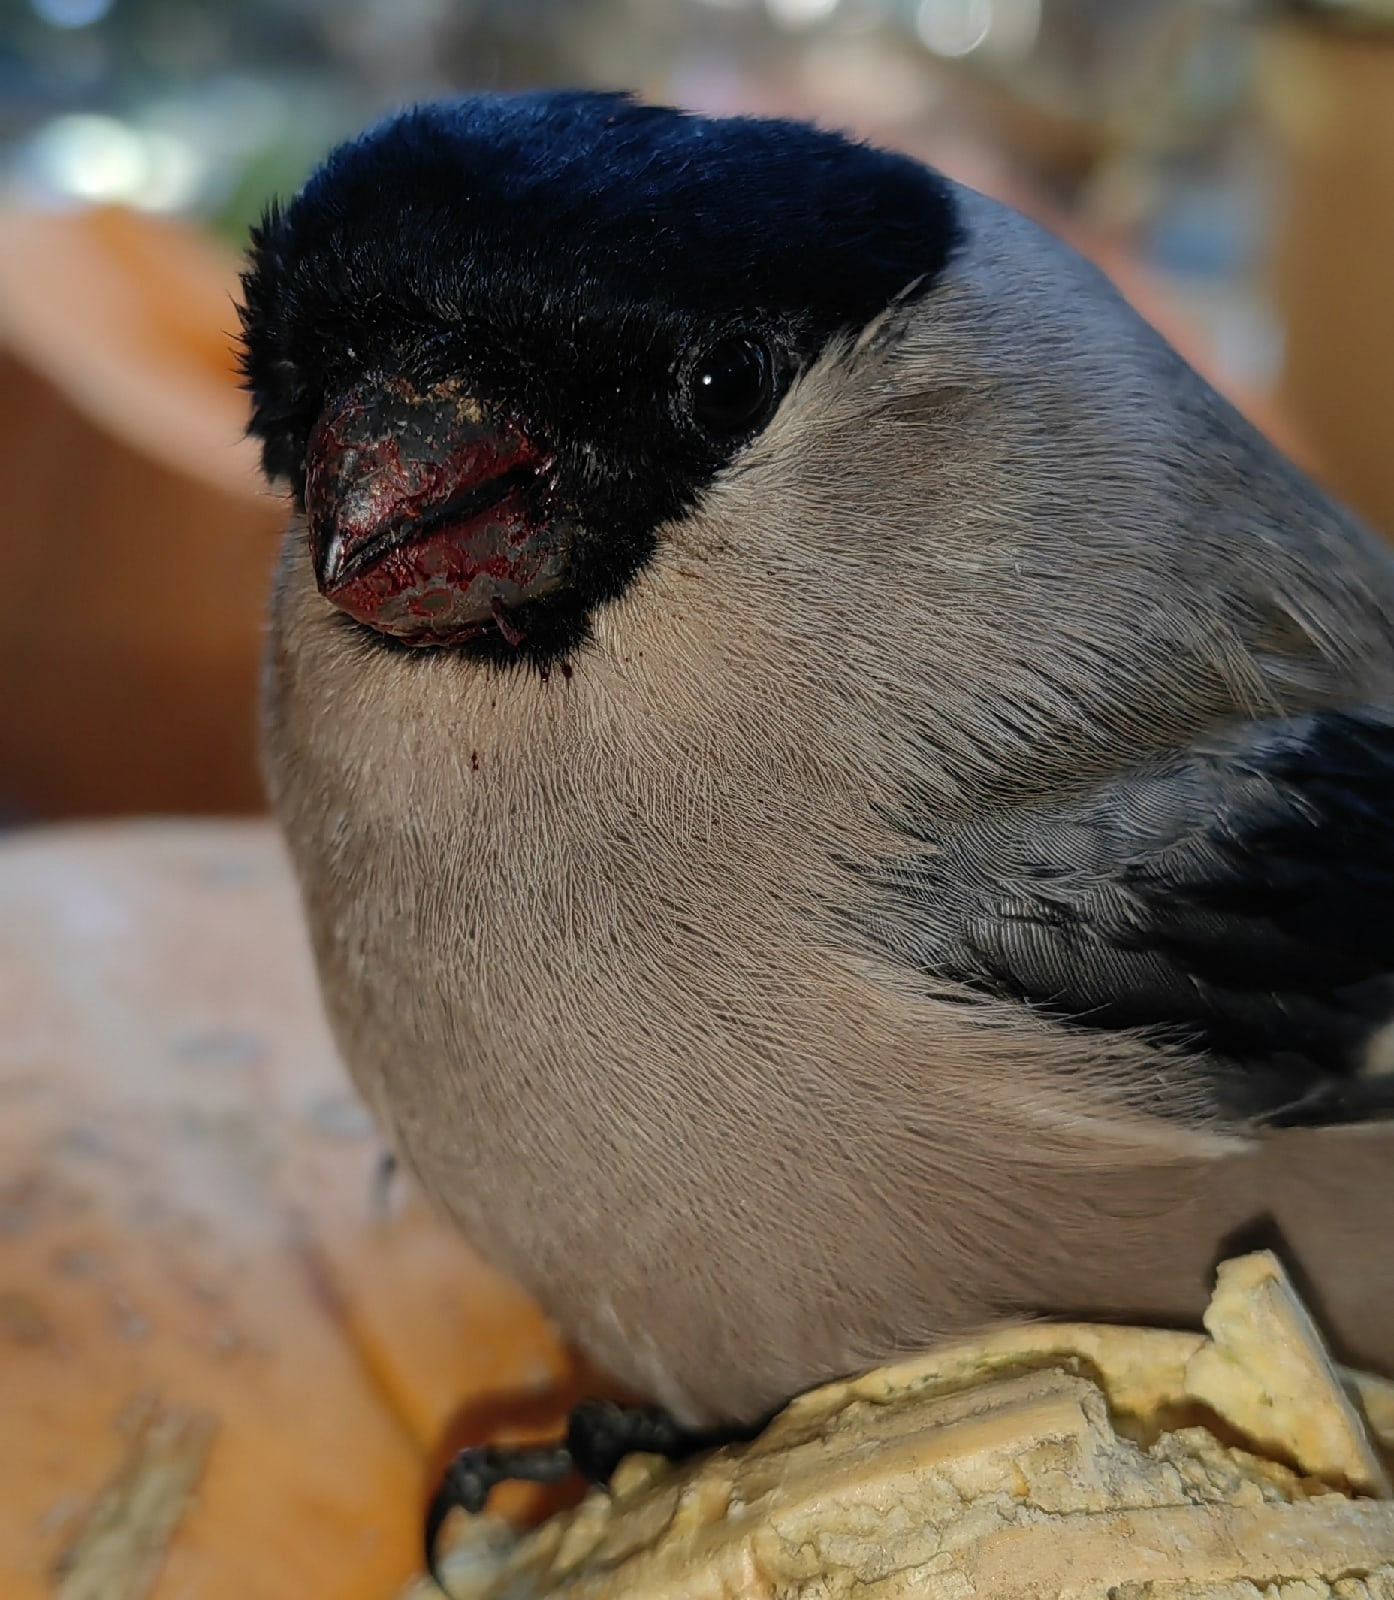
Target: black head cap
[597,267]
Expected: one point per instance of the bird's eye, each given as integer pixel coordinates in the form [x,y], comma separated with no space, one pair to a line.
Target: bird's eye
[732,385]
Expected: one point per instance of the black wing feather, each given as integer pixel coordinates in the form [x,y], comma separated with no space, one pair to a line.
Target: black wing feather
[1236,898]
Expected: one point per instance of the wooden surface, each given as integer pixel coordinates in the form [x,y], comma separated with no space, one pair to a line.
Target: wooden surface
[209,1338]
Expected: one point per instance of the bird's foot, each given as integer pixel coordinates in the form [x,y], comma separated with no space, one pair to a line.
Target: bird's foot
[599,1435]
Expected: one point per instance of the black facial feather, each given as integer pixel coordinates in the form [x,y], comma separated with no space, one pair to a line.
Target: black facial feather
[572,256]
[1236,898]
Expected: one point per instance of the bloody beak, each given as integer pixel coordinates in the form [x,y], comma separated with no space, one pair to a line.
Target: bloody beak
[430,518]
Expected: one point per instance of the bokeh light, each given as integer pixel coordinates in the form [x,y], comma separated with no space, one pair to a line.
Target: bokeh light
[70,13]
[102,160]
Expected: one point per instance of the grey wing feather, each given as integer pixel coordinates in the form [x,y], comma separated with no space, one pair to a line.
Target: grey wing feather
[1235,898]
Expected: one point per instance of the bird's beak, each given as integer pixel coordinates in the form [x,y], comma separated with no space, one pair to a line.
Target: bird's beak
[431,517]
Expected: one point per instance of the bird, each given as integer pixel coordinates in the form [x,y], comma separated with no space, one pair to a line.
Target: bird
[841,794]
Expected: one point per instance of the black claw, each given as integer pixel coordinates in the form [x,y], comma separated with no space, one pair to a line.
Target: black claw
[473,1473]
[599,1435]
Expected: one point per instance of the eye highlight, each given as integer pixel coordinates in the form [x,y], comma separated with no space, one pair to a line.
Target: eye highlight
[732,385]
